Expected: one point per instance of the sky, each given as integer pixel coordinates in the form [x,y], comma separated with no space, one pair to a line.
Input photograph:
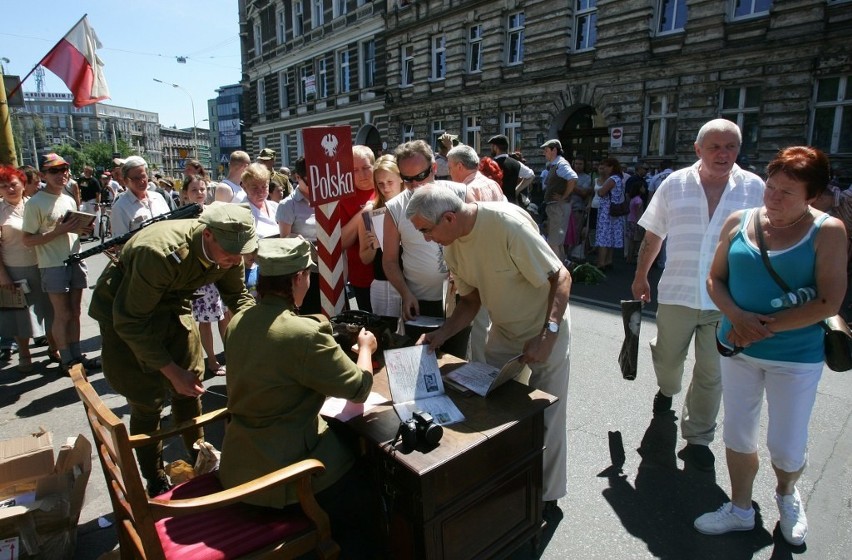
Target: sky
[141,41]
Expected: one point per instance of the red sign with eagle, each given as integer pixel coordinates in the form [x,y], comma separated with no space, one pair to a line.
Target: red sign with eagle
[328,158]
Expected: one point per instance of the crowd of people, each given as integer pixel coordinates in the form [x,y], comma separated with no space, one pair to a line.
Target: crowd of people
[425,228]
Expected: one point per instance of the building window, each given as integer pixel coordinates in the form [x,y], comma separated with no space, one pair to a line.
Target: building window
[515,33]
[258,39]
[298,19]
[368,61]
[439,57]
[261,97]
[437,130]
[585,24]
[285,149]
[474,48]
[317,18]
[741,9]
[343,74]
[307,82]
[473,133]
[512,129]
[322,78]
[671,16]
[280,26]
[407,133]
[283,94]
[832,120]
[339,8]
[407,64]
[261,142]
[661,124]
[742,105]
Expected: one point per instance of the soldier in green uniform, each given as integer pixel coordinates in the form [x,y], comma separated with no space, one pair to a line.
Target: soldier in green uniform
[281,367]
[151,346]
[267,158]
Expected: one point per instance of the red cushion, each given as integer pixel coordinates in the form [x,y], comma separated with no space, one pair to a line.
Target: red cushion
[228,532]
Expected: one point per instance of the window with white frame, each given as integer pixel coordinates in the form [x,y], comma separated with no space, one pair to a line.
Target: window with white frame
[298,18]
[512,129]
[368,63]
[344,76]
[742,106]
[742,9]
[473,133]
[307,82]
[585,24]
[280,25]
[832,115]
[322,78]
[285,149]
[258,39]
[407,133]
[317,16]
[671,16]
[339,8]
[515,36]
[474,48]
[261,142]
[407,65]
[437,130]
[283,94]
[261,97]
[661,124]
[439,57]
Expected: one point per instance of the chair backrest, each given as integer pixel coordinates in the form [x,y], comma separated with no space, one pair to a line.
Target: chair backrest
[133,519]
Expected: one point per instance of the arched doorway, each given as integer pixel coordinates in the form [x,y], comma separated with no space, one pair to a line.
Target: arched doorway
[368,135]
[584,134]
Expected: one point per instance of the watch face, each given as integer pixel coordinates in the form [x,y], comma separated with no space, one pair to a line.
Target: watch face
[553,327]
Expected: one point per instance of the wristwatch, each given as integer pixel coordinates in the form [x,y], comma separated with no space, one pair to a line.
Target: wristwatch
[552,326]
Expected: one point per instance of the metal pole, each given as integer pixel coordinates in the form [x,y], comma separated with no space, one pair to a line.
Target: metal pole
[192,106]
[8,154]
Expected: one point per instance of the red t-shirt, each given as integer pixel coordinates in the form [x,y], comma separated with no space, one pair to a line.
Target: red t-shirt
[360,274]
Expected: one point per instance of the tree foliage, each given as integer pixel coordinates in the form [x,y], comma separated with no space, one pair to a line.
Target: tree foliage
[97,154]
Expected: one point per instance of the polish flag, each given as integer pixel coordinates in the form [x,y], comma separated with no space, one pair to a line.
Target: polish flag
[75,61]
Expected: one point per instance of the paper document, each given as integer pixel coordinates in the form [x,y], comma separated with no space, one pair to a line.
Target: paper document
[15,298]
[374,220]
[482,378]
[426,322]
[415,384]
[344,410]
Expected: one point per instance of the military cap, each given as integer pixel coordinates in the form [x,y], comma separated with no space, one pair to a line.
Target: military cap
[266,154]
[282,256]
[232,225]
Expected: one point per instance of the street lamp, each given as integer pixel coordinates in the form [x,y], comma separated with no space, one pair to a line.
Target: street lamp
[192,105]
[73,140]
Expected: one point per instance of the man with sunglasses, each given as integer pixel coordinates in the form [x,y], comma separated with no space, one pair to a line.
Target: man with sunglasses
[421,279]
[54,238]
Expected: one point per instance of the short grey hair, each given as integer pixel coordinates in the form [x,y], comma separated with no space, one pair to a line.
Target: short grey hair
[719,125]
[433,201]
[464,155]
[132,163]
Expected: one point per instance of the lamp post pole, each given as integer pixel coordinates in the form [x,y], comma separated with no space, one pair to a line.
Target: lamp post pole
[192,105]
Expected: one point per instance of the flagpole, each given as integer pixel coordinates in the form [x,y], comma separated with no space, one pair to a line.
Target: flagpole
[8,155]
[21,83]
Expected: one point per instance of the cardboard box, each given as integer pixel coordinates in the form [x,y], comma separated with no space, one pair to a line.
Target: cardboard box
[43,498]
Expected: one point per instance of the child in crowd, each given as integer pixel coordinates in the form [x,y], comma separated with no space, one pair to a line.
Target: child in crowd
[634,233]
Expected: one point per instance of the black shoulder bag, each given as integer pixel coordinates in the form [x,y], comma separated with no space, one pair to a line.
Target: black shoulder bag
[838,338]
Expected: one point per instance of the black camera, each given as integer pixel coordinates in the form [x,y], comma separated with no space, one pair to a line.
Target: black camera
[420,428]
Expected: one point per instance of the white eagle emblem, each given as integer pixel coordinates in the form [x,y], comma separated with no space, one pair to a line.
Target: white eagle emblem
[329,144]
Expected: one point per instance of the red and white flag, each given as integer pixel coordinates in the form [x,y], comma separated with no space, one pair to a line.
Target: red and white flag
[75,61]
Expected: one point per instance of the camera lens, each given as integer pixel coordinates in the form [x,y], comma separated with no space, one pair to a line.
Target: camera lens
[432,434]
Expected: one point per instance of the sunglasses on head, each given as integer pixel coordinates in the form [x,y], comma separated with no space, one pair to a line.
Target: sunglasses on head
[419,177]
[725,351]
[56,170]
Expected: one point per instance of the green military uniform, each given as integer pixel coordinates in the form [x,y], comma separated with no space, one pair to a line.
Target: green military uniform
[281,367]
[142,306]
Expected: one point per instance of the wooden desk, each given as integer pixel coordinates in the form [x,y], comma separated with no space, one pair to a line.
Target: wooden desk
[478,494]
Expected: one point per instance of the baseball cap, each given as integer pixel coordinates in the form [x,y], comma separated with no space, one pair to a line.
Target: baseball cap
[232,225]
[278,256]
[500,141]
[553,143]
[52,160]
[266,154]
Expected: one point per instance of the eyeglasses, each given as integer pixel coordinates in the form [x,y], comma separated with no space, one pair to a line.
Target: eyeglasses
[57,170]
[417,178]
[725,351]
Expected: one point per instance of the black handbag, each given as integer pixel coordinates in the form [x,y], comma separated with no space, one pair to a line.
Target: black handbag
[617,209]
[838,337]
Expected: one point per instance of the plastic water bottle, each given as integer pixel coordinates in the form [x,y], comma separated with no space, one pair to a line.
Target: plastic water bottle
[794,299]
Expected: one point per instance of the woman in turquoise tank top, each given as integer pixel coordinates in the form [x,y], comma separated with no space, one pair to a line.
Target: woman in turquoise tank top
[774,352]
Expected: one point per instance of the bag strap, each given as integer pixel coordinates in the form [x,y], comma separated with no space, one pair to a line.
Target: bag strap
[758,232]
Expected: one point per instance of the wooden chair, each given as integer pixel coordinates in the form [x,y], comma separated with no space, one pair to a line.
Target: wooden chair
[199,520]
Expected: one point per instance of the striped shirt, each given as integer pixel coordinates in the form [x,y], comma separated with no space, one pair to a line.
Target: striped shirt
[679,213]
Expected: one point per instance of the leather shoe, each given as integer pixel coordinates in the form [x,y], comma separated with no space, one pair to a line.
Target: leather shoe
[699,456]
[662,403]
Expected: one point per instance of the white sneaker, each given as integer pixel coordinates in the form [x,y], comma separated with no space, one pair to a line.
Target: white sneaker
[723,520]
[794,522]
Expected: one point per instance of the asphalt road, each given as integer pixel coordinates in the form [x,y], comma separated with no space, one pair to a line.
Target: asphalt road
[629,496]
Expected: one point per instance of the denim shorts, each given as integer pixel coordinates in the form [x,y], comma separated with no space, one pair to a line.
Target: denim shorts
[63,279]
